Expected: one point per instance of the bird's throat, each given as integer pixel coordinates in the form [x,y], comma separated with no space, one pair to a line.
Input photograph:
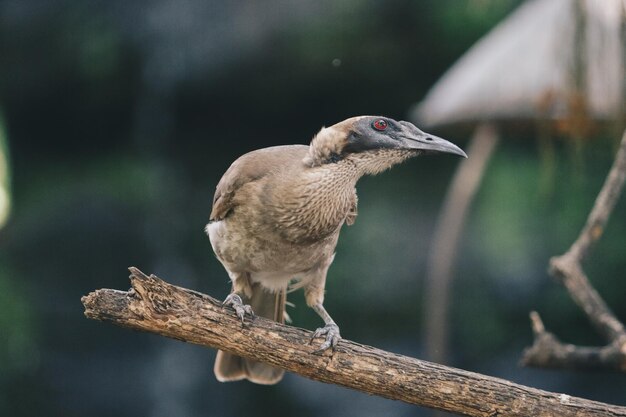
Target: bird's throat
[315,206]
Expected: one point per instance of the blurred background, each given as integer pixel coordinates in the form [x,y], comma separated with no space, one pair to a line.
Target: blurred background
[119,118]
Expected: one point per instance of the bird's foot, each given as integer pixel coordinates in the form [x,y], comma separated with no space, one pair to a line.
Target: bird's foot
[331,334]
[241,309]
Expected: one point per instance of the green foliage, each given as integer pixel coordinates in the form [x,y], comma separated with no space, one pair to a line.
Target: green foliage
[18,346]
[507,211]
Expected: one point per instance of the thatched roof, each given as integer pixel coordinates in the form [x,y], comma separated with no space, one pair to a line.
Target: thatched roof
[548,59]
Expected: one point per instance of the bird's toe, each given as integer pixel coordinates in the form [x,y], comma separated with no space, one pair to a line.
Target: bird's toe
[331,335]
[234,300]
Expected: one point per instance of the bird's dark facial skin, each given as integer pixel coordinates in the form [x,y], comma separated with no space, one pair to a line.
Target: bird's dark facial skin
[371,133]
[376,132]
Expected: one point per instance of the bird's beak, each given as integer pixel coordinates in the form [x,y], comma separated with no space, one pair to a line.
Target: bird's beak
[430,143]
[413,138]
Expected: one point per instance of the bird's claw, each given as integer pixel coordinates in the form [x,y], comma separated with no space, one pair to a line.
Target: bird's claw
[331,334]
[241,309]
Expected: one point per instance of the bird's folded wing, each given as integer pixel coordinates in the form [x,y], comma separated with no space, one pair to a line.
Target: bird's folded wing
[252,166]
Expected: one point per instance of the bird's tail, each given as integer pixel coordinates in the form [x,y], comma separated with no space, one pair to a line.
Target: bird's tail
[229,367]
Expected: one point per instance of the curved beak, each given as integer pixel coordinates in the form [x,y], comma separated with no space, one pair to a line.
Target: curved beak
[413,138]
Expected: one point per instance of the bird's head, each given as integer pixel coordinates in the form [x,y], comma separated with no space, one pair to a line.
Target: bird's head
[374,143]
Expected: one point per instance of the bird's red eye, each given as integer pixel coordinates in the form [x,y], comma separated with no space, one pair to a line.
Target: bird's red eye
[380,124]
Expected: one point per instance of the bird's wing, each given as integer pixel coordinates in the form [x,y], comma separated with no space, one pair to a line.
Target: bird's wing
[252,167]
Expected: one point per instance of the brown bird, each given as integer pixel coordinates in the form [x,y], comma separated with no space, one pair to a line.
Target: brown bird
[277,213]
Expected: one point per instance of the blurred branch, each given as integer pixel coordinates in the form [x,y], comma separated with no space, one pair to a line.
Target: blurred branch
[547,351]
[155,306]
[5,177]
[446,238]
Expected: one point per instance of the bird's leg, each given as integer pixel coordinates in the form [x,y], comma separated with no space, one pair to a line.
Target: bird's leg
[235,301]
[314,295]
[330,331]
[242,290]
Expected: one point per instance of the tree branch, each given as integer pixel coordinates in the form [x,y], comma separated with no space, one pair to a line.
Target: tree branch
[603,206]
[547,351]
[155,306]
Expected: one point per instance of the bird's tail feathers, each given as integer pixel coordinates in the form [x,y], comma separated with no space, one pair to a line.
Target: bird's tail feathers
[229,367]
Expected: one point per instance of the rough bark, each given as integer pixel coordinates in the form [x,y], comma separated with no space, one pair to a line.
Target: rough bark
[547,350]
[155,306]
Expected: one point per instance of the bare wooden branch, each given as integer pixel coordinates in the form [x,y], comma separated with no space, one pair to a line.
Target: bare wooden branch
[547,351]
[603,206]
[155,306]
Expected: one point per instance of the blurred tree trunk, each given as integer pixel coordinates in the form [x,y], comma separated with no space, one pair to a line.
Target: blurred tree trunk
[5,177]
[446,239]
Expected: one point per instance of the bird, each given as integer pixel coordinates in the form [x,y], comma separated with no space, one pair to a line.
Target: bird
[277,213]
